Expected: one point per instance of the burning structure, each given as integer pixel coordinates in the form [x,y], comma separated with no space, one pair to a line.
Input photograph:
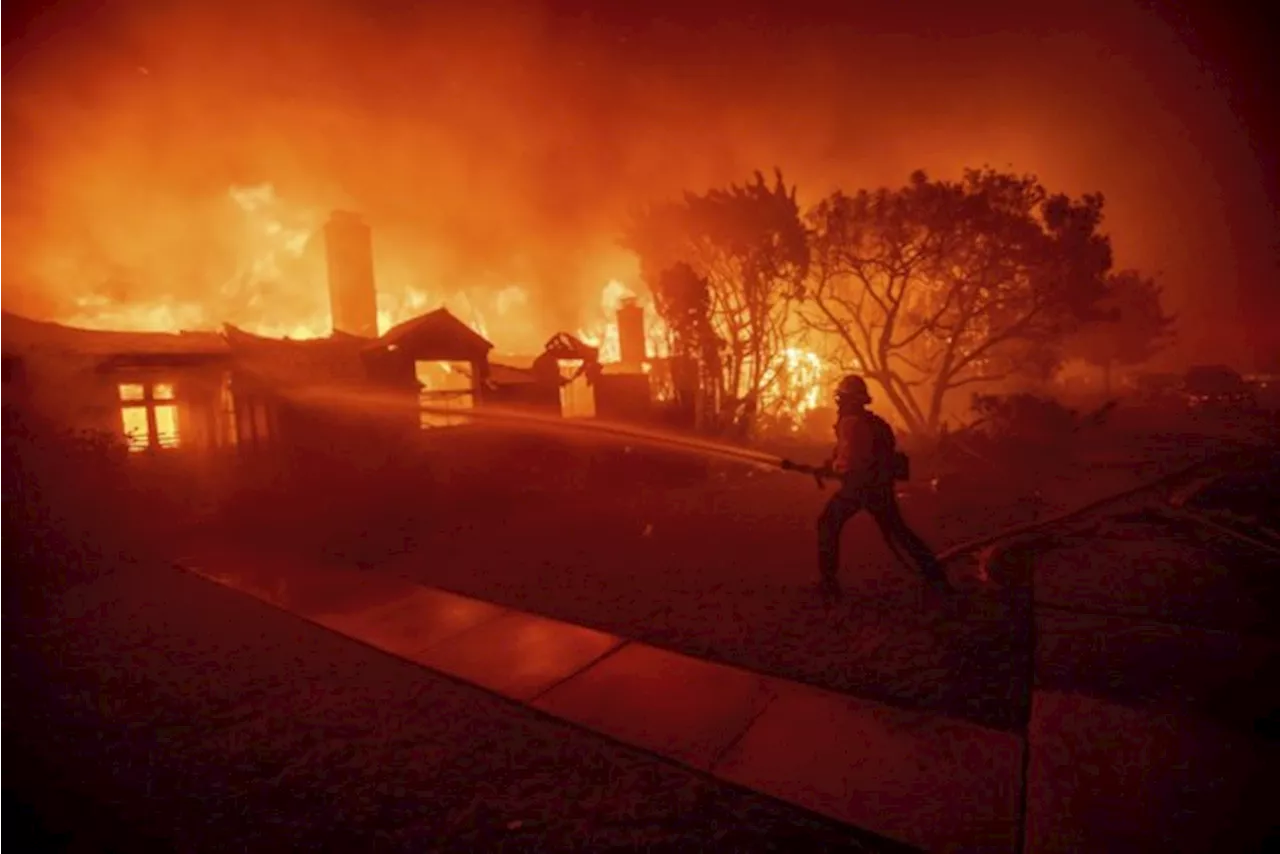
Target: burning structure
[575,377]
[211,390]
[160,391]
[203,391]
[353,296]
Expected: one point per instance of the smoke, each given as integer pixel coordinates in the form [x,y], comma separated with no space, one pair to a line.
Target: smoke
[494,145]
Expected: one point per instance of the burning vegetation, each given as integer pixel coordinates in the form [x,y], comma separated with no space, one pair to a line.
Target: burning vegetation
[533,189]
[286,254]
[751,305]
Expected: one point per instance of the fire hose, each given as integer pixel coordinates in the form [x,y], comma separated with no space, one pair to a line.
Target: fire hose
[821,474]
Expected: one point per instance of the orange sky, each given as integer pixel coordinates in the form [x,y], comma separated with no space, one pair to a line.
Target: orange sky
[502,144]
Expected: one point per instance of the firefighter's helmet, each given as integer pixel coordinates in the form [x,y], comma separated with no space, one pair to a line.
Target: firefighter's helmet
[852,390]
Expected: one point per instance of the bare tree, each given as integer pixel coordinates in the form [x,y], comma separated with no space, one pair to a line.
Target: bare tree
[938,285]
[748,249]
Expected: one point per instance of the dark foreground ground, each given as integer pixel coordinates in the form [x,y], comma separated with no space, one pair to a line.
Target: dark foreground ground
[154,711]
[725,569]
[1136,654]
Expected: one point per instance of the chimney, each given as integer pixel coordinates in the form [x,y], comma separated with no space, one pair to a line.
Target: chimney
[353,297]
[631,343]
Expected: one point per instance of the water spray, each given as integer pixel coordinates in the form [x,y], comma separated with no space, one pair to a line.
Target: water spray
[614,430]
[375,403]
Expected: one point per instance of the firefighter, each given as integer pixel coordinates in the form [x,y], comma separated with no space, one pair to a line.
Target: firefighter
[864,460]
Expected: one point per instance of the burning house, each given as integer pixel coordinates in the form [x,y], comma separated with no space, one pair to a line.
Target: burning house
[438,359]
[205,391]
[575,379]
[353,294]
[623,391]
[160,391]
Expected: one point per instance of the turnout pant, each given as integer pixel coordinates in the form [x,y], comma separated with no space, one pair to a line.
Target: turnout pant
[882,504]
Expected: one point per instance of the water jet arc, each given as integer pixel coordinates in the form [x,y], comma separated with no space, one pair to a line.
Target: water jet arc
[373,404]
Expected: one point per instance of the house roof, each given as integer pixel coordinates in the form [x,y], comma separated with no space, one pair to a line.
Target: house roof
[436,335]
[285,360]
[22,336]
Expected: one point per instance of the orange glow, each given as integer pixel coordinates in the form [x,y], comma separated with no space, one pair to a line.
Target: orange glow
[276,248]
[602,332]
[444,386]
[168,167]
[800,384]
[167,426]
[134,419]
[146,422]
[576,397]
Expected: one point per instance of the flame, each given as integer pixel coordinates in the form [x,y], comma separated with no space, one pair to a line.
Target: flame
[98,312]
[277,287]
[276,238]
[463,306]
[798,384]
[797,379]
[613,295]
[603,332]
[272,240]
[511,297]
[272,245]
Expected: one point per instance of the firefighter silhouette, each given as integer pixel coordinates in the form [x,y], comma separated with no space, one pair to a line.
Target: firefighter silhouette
[867,462]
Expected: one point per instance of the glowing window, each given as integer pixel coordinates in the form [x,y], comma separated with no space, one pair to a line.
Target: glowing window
[149,415]
[135,427]
[577,397]
[444,386]
[167,426]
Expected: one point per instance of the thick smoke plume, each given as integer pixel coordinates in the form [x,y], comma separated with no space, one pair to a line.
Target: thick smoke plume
[493,145]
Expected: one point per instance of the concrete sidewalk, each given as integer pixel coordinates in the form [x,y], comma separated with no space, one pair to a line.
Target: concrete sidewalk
[921,777]
[148,710]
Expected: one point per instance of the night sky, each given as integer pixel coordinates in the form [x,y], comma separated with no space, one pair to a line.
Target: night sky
[493,143]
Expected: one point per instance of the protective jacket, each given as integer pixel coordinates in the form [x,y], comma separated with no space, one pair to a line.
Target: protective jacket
[864,452]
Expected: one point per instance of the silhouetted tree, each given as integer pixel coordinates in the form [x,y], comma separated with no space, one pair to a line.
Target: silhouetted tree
[1131,329]
[683,300]
[743,247]
[938,284]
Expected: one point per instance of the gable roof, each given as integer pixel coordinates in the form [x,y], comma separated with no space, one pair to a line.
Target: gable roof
[436,335]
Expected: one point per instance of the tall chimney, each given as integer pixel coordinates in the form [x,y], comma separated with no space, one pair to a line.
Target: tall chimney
[631,343]
[353,297]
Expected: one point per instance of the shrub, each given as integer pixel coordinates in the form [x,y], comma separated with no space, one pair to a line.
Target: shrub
[67,508]
[1025,417]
